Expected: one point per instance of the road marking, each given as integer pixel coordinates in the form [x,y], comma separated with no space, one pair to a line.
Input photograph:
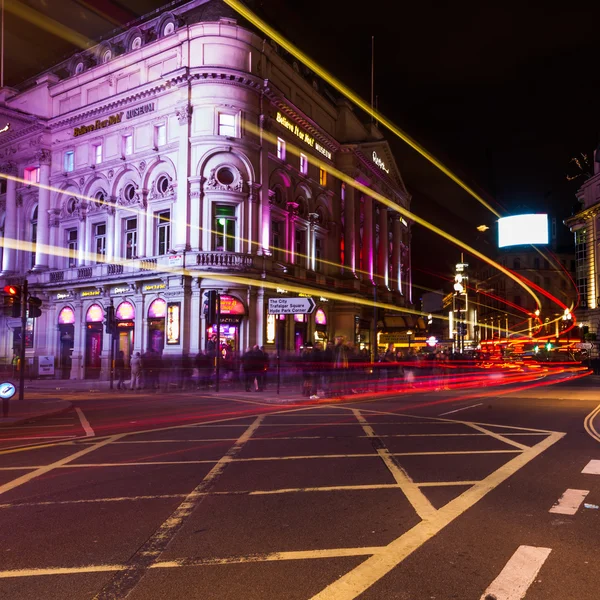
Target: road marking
[459,409]
[362,577]
[498,436]
[588,423]
[198,562]
[38,437]
[414,495]
[337,488]
[518,574]
[569,502]
[148,554]
[592,468]
[55,465]
[89,432]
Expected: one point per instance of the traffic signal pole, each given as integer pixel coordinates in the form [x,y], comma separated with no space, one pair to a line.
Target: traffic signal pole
[22,348]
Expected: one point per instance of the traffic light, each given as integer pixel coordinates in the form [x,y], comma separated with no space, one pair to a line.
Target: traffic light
[213,299]
[549,346]
[33,310]
[110,320]
[14,293]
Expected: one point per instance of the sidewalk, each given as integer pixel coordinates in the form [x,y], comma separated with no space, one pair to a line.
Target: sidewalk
[33,410]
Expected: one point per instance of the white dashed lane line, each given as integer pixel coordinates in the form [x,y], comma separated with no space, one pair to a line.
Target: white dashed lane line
[518,574]
[569,502]
[592,468]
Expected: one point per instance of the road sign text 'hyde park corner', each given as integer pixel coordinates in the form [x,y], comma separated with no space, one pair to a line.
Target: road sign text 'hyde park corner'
[291,306]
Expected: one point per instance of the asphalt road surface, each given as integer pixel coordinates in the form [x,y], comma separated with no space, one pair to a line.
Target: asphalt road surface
[485,493]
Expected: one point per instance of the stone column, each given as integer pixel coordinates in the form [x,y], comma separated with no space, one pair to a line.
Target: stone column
[111,234]
[350,230]
[368,247]
[396,282]
[260,316]
[82,241]
[383,246]
[180,232]
[9,257]
[41,257]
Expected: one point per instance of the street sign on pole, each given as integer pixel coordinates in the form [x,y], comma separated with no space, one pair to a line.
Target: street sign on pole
[291,306]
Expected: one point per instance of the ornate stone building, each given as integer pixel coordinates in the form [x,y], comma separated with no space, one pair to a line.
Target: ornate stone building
[179,157]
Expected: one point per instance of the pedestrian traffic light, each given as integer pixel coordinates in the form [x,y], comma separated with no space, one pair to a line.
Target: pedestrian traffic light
[14,293]
[549,346]
[33,310]
[110,320]
[213,299]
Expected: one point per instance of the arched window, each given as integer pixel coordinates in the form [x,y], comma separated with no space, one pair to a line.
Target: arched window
[66,316]
[95,314]
[158,309]
[125,311]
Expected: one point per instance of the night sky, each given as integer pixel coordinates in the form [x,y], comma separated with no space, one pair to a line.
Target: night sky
[504,94]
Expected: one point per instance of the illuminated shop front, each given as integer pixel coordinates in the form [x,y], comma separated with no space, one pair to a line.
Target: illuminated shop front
[125,320]
[320,333]
[157,312]
[94,318]
[66,335]
[232,313]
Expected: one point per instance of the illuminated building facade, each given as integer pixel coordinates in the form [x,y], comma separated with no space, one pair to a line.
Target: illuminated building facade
[179,157]
[585,225]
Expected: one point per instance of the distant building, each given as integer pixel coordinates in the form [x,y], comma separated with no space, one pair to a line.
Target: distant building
[585,225]
[165,163]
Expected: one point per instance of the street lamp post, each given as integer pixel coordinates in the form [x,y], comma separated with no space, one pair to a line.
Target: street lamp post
[409,334]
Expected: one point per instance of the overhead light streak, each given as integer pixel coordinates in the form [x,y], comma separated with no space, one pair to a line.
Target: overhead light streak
[348,93]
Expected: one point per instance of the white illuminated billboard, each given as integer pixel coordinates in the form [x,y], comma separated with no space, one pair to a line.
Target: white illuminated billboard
[522,229]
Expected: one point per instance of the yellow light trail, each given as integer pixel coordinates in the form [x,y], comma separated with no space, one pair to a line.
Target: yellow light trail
[348,93]
[47,24]
[390,204]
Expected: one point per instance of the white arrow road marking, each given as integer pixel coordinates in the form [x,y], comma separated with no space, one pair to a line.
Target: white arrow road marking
[592,468]
[518,574]
[569,502]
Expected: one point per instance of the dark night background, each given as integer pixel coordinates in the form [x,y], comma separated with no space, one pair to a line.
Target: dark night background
[504,94]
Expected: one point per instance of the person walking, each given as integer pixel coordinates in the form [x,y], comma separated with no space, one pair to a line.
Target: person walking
[136,371]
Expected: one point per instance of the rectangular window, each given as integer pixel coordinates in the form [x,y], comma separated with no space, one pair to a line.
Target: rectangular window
[69,161]
[163,232]
[227,125]
[300,247]
[160,135]
[71,244]
[130,238]
[277,239]
[322,177]
[100,241]
[224,228]
[280,149]
[303,164]
[127,144]
[32,175]
[318,254]
[98,154]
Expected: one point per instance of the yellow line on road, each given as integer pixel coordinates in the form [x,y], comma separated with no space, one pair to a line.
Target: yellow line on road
[497,436]
[358,580]
[588,423]
[55,465]
[414,495]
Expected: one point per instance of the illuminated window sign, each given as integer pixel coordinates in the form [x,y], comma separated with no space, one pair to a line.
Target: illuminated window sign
[173,323]
[95,314]
[88,293]
[158,309]
[523,229]
[66,316]
[120,290]
[231,306]
[125,312]
[270,329]
[155,287]
[305,137]
[320,317]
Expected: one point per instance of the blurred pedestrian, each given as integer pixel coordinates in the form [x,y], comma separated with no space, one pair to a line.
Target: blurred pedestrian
[120,370]
[136,371]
